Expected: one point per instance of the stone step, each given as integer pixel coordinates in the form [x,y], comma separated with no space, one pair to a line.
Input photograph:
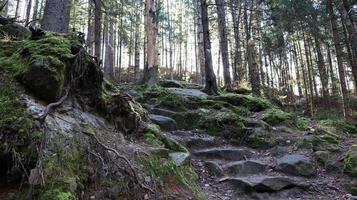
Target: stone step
[244,167]
[264,183]
[165,123]
[228,153]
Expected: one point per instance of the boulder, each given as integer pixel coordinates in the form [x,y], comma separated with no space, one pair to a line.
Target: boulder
[245,167]
[350,162]
[296,164]
[45,79]
[214,168]
[263,183]
[165,123]
[189,92]
[170,84]
[15,31]
[234,154]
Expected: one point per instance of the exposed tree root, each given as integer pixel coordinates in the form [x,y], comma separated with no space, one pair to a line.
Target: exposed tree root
[126,160]
[51,106]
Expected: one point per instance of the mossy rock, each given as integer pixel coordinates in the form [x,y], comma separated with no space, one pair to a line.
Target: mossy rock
[274,116]
[19,134]
[340,125]
[261,139]
[350,162]
[41,65]
[254,104]
[224,123]
[14,31]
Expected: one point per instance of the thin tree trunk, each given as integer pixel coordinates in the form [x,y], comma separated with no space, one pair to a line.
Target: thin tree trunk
[97,28]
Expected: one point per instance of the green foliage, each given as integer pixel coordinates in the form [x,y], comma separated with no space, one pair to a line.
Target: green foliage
[274,116]
[350,161]
[302,123]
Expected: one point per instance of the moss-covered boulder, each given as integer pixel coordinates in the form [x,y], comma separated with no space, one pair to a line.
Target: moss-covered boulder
[262,139]
[254,104]
[350,161]
[274,116]
[41,65]
[224,123]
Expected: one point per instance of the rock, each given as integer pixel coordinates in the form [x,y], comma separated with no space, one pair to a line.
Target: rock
[170,84]
[350,162]
[234,154]
[351,187]
[45,80]
[296,164]
[214,168]
[322,157]
[15,31]
[262,139]
[245,167]
[263,183]
[189,92]
[165,123]
[180,158]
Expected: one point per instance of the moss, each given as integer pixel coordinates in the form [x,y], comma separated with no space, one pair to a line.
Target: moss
[173,101]
[274,116]
[184,174]
[321,140]
[341,125]
[18,132]
[254,104]
[224,123]
[41,64]
[261,139]
[302,123]
[350,161]
[56,194]
[14,31]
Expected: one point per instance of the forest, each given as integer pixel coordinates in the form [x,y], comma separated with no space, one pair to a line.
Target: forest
[178,99]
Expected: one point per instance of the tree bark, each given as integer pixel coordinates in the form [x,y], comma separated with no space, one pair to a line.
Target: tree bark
[56,16]
[338,48]
[137,40]
[210,77]
[150,75]
[97,27]
[222,26]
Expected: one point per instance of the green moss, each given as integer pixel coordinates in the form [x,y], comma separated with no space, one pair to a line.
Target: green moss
[261,139]
[224,123]
[302,123]
[254,104]
[41,65]
[350,162]
[274,116]
[184,174]
[321,140]
[341,125]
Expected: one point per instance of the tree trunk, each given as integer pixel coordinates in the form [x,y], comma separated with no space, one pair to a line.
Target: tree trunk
[210,77]
[322,70]
[97,28]
[237,50]
[137,40]
[28,11]
[150,75]
[90,30]
[338,48]
[35,10]
[222,26]
[56,16]
[200,41]
[109,52]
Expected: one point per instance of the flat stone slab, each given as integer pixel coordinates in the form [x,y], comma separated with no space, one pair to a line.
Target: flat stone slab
[189,92]
[180,158]
[264,183]
[296,164]
[165,123]
[233,154]
[245,167]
